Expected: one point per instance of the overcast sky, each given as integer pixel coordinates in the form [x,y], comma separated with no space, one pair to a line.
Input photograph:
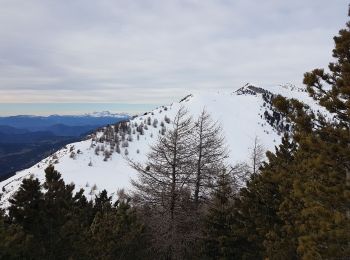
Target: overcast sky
[155,51]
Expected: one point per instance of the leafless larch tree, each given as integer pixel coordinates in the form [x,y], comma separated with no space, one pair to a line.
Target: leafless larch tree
[209,153]
[162,184]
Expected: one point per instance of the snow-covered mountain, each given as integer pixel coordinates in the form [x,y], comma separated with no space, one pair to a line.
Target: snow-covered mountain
[107,114]
[95,164]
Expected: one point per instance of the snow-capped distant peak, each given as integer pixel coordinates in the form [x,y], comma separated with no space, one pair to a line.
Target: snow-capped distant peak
[106,114]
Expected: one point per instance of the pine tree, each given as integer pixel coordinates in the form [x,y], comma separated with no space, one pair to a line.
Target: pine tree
[102,202]
[320,186]
[219,241]
[52,220]
[325,188]
[25,205]
[314,211]
[58,202]
[256,211]
[116,232]
[55,224]
[280,234]
[14,244]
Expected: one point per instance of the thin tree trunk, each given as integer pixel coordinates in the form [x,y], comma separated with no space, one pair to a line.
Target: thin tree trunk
[198,177]
[347,187]
[173,195]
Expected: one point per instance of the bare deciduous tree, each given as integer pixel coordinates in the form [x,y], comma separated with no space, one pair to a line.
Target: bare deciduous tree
[209,153]
[240,174]
[257,155]
[163,183]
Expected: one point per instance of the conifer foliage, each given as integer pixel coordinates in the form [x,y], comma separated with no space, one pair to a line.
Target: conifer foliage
[298,206]
[218,239]
[49,221]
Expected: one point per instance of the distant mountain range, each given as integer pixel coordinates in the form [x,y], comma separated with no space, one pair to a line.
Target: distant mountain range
[26,139]
[44,123]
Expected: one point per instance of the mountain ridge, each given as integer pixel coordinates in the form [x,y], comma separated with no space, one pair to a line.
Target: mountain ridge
[95,164]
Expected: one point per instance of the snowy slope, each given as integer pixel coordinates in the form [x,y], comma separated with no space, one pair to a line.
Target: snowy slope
[240,112]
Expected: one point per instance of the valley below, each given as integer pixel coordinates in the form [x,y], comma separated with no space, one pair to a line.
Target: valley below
[26,140]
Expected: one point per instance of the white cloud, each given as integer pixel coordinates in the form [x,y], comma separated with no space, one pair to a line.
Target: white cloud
[151,51]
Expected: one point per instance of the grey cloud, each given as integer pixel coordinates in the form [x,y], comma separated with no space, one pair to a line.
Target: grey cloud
[148,51]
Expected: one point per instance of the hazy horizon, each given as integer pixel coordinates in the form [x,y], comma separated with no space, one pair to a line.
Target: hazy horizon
[46,109]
